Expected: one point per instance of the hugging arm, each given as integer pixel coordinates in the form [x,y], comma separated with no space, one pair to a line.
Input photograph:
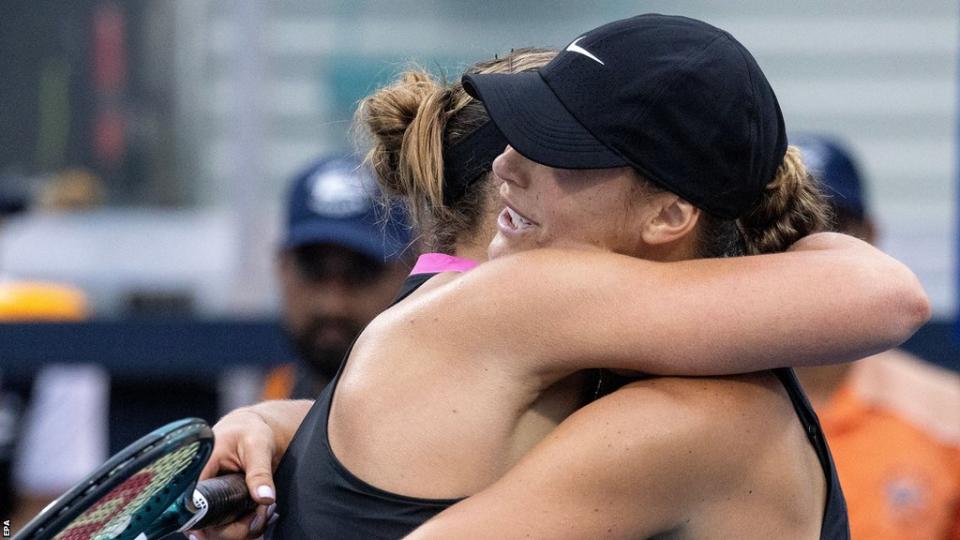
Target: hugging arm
[829,299]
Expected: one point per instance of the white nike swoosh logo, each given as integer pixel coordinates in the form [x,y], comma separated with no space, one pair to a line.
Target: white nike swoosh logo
[573,47]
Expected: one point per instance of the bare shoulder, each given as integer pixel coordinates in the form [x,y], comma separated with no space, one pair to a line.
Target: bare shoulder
[720,451]
[425,325]
[422,312]
[725,418]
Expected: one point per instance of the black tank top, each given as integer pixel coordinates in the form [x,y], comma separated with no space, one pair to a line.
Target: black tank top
[318,498]
[835,525]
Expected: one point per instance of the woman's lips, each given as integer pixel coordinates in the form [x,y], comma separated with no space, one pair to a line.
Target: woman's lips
[519,221]
[512,221]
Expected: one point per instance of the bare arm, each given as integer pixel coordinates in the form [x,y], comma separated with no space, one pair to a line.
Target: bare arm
[253,439]
[829,299]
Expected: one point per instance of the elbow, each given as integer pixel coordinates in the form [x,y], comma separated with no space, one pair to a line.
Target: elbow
[919,308]
[912,306]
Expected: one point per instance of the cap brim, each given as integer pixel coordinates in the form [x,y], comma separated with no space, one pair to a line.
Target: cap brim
[379,246]
[536,123]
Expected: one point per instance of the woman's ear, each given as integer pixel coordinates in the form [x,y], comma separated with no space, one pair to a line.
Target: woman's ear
[670,219]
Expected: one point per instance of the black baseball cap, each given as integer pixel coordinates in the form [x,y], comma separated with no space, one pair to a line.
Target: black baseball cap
[679,100]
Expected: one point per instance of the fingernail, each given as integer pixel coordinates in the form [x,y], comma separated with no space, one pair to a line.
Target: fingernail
[255,524]
[193,537]
[266,492]
[273,518]
[271,509]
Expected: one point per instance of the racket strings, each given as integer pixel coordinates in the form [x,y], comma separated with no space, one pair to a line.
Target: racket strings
[114,512]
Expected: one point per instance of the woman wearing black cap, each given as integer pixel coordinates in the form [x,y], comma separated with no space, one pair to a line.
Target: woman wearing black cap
[691,126]
[428,407]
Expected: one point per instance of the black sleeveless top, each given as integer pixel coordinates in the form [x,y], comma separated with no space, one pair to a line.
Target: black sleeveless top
[835,525]
[318,498]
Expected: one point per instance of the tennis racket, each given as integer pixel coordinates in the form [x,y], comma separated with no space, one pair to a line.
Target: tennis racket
[146,491]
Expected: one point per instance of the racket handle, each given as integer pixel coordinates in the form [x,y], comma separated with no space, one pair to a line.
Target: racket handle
[227,499]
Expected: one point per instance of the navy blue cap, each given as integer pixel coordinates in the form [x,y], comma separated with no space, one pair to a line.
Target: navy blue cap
[830,161]
[334,202]
[680,101]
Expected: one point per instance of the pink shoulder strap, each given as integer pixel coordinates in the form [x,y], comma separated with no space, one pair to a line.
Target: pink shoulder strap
[433,263]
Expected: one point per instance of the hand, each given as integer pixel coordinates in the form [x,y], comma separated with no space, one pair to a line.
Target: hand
[252,525]
[244,441]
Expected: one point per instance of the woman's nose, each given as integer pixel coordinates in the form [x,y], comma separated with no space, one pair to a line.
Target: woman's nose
[511,167]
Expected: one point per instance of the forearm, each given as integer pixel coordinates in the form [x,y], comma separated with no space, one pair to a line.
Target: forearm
[840,300]
[282,416]
[884,307]
[252,440]
[829,299]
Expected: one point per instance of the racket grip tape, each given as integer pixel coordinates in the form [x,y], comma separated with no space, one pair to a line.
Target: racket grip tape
[227,499]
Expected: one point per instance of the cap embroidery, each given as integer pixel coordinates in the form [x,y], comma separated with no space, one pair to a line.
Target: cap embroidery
[573,47]
[336,194]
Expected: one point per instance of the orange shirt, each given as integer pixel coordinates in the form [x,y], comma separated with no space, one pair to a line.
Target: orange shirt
[279,382]
[894,430]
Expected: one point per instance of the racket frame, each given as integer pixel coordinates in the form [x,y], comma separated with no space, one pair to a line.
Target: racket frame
[119,468]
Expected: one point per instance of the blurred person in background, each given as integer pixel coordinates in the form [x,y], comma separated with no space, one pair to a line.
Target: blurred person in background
[339,265]
[892,420]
